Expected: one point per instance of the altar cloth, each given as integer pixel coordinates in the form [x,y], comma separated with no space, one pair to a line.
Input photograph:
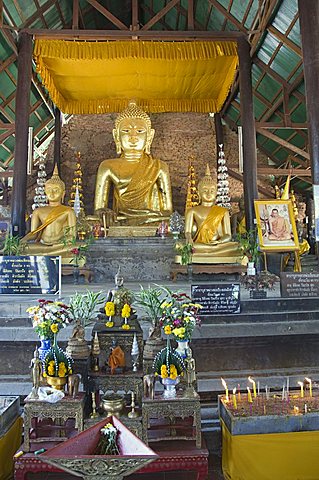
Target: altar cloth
[271,456]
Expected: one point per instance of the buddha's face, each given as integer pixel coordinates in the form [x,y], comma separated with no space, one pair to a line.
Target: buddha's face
[133,134]
[207,193]
[54,192]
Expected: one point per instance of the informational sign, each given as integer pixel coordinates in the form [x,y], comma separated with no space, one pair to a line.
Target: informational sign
[217,298]
[30,274]
[299,284]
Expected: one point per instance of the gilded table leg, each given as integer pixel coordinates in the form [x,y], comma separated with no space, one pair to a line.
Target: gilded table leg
[197,417]
[27,427]
[144,424]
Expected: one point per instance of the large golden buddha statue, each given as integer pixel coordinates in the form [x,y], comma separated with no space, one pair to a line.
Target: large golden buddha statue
[207,227]
[141,184]
[52,224]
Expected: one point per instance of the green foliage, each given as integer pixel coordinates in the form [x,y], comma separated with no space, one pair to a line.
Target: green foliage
[13,245]
[149,299]
[83,306]
[249,246]
[77,249]
[185,251]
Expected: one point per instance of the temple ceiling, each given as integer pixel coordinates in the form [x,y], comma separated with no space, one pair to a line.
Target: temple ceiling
[272,28]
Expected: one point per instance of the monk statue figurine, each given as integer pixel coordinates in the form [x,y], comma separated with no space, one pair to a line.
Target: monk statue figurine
[207,227]
[52,224]
[141,184]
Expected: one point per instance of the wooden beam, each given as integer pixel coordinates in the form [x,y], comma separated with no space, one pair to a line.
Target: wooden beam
[160,14]
[6,173]
[135,22]
[190,15]
[280,36]
[1,13]
[281,126]
[75,15]
[283,142]
[107,14]
[156,35]
[299,172]
[238,176]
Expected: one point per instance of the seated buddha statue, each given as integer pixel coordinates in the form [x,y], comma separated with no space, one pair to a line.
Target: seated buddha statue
[52,224]
[141,183]
[207,227]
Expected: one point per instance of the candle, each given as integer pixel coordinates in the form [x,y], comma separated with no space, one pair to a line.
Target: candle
[254,386]
[310,385]
[306,408]
[258,387]
[239,394]
[226,389]
[301,389]
[250,400]
[296,410]
[234,399]
[267,392]
[287,385]
[283,392]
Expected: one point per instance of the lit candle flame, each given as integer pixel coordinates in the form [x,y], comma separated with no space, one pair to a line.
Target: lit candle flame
[250,400]
[226,388]
[301,389]
[310,385]
[234,398]
[254,386]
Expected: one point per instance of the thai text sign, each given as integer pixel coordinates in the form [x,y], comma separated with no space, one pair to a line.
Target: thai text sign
[217,298]
[29,274]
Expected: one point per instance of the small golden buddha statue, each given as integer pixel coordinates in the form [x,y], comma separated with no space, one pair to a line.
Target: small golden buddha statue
[207,227]
[142,189]
[51,224]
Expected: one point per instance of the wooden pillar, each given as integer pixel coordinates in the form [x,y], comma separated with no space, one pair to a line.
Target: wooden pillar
[309,29]
[19,189]
[57,139]
[249,132]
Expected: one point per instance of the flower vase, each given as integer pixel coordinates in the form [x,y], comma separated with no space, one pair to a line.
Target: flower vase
[182,346]
[251,270]
[44,347]
[170,386]
[76,274]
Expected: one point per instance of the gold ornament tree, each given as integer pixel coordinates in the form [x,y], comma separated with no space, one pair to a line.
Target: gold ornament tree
[192,197]
[76,200]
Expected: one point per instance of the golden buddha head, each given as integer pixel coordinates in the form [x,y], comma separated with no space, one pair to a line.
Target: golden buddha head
[207,188]
[133,133]
[55,187]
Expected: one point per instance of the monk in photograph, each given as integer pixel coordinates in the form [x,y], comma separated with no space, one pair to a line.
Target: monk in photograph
[278,226]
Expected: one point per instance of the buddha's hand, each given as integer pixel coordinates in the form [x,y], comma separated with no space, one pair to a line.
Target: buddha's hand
[188,238]
[108,215]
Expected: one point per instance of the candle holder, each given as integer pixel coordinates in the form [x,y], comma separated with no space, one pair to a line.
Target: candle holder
[132,413]
[94,413]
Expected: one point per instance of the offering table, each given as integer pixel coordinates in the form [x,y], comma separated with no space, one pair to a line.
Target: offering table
[269,438]
[178,407]
[66,408]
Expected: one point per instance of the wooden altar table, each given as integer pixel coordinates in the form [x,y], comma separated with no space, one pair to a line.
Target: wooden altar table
[173,456]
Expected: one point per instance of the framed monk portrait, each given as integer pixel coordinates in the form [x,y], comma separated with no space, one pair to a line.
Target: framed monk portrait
[276,226]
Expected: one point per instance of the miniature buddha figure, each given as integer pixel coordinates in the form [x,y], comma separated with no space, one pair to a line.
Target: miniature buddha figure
[207,227]
[141,184]
[52,224]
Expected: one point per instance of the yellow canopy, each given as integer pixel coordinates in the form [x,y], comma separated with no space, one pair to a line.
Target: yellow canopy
[100,77]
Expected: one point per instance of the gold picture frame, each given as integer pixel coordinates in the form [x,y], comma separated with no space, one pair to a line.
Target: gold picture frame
[276,226]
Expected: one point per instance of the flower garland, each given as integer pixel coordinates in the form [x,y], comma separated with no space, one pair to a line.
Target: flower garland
[57,363]
[168,363]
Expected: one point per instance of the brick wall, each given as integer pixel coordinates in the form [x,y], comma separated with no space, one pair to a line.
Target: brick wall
[177,136]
